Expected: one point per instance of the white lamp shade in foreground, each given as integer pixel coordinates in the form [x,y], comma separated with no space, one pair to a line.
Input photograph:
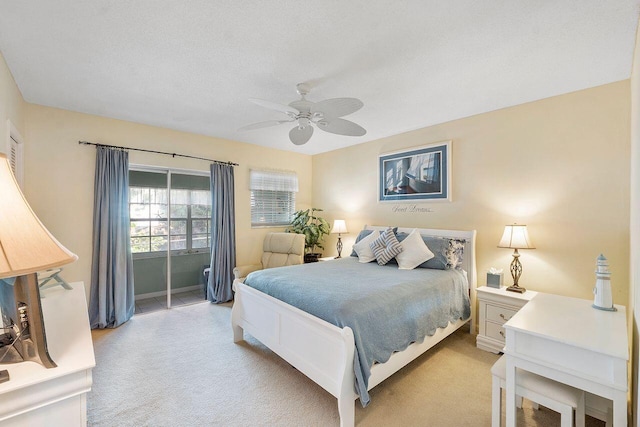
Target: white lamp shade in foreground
[26,246]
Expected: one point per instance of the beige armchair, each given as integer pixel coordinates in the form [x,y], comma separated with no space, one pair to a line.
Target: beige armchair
[278,250]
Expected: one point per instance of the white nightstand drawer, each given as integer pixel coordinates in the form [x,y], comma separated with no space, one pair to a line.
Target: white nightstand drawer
[496,306]
[499,314]
[495,331]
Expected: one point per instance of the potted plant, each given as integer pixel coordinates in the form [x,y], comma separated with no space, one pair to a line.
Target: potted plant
[314,228]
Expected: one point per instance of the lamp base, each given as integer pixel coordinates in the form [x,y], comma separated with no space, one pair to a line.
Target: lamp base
[22,317]
[516,288]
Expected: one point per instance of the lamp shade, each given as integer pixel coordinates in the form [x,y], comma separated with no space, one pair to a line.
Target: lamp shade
[26,246]
[515,237]
[339,227]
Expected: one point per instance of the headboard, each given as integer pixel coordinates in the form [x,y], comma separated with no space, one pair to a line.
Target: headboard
[468,260]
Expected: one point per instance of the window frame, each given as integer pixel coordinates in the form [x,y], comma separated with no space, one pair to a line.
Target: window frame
[173,252]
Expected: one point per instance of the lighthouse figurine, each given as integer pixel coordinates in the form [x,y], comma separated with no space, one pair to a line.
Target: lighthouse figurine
[602,291]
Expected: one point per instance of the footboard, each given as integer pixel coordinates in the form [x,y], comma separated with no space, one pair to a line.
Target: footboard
[320,350]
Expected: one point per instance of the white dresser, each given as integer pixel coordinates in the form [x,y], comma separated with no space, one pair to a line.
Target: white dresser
[569,341]
[495,308]
[36,396]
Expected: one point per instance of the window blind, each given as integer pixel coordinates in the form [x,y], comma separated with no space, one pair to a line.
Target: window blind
[273,180]
[15,158]
[273,200]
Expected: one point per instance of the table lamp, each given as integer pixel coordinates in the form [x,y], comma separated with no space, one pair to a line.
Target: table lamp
[26,247]
[339,227]
[516,237]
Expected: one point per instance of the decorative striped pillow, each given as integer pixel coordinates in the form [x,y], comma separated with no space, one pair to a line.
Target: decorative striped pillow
[386,247]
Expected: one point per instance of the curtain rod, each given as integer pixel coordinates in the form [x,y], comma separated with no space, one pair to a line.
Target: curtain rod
[158,152]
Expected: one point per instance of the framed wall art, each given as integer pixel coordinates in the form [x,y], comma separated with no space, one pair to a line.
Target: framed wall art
[421,173]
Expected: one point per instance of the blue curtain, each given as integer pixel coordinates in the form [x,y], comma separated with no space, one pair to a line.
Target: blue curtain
[111,300]
[223,234]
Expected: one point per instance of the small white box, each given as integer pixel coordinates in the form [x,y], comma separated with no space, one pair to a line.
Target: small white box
[494,280]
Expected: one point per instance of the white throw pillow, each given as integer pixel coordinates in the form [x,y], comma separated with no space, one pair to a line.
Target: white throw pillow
[362,248]
[414,252]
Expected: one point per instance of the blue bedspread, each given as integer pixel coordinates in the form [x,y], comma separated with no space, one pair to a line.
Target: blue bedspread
[386,308]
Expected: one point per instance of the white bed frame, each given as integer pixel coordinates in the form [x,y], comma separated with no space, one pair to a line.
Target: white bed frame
[323,351]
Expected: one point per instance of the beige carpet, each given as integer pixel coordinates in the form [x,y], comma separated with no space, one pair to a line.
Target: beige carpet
[180,367]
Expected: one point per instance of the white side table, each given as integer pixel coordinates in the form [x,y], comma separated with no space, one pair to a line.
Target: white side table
[36,396]
[495,308]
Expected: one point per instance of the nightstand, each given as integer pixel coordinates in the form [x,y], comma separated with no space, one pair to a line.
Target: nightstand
[327,258]
[495,307]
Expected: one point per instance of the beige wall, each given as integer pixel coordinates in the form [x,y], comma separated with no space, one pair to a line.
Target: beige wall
[12,106]
[560,165]
[634,283]
[59,173]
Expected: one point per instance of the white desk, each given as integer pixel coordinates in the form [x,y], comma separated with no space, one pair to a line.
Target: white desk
[567,340]
[36,396]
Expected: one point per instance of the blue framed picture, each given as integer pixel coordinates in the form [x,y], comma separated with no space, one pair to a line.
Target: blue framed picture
[421,173]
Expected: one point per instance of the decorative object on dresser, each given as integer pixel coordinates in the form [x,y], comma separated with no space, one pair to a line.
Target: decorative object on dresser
[495,307]
[516,237]
[603,300]
[339,227]
[26,248]
[314,228]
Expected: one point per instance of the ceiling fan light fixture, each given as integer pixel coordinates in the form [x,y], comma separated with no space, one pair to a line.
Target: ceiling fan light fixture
[303,122]
[324,114]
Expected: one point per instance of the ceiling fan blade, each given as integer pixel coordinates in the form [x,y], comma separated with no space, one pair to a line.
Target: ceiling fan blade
[300,135]
[274,106]
[261,125]
[341,127]
[337,107]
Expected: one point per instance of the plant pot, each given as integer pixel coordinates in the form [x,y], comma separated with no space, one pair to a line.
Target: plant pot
[311,257]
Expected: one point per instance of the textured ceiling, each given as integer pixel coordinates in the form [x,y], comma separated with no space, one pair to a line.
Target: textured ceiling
[192,65]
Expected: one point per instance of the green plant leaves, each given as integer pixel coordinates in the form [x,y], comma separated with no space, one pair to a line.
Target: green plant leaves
[311,225]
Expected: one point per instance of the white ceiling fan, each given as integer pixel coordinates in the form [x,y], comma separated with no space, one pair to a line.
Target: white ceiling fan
[324,114]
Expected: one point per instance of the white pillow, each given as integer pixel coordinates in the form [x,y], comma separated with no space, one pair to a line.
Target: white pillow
[362,248]
[414,252]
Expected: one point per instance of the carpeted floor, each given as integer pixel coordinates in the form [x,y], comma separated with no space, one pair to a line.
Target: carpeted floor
[180,367]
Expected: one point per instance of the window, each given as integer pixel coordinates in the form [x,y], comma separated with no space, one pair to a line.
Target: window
[190,211]
[273,197]
[190,219]
[148,215]
[15,153]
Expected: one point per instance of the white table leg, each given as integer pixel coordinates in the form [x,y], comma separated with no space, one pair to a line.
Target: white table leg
[510,391]
[619,409]
[496,402]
